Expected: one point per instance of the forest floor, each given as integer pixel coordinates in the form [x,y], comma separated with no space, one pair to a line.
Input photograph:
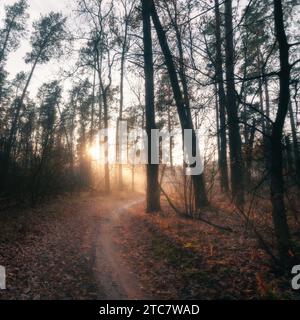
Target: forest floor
[88,246]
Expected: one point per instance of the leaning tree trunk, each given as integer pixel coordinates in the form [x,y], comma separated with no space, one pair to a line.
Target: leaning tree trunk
[277,183]
[183,112]
[153,189]
[235,143]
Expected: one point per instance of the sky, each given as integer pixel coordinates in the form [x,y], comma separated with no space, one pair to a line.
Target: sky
[16,62]
[49,71]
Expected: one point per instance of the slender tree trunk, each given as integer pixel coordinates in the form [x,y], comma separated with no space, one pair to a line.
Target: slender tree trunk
[249,154]
[104,92]
[2,52]
[153,189]
[264,125]
[262,109]
[123,60]
[267,98]
[2,55]
[295,144]
[265,111]
[171,142]
[289,165]
[235,143]
[92,128]
[244,115]
[106,147]
[183,112]
[222,102]
[277,183]
[218,127]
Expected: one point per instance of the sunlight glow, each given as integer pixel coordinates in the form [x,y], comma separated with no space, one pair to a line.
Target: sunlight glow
[94,152]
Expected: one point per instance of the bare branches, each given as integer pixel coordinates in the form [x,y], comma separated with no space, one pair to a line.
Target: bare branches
[294,63]
[294,44]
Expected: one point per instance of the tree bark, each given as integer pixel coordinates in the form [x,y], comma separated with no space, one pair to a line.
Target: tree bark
[235,143]
[295,144]
[123,61]
[106,147]
[104,89]
[222,102]
[153,189]
[277,183]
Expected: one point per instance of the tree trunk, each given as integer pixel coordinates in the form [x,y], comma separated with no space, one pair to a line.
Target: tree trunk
[92,127]
[295,144]
[104,90]
[2,53]
[249,155]
[118,151]
[218,127]
[171,142]
[277,183]
[106,147]
[153,189]
[222,102]
[235,143]
[183,112]
[265,110]
[289,165]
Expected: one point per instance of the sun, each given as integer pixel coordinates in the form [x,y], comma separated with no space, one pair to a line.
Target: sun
[94,152]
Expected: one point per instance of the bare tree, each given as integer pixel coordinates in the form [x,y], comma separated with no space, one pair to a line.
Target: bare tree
[153,189]
[183,111]
[235,143]
[277,183]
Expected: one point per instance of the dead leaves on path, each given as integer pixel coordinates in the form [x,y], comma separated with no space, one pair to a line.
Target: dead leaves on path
[46,254]
[49,253]
[186,259]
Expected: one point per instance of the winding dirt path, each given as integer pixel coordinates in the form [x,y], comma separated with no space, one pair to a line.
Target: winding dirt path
[114,277]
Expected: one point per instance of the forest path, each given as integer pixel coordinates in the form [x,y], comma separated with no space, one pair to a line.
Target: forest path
[89,246]
[76,247]
[114,277]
